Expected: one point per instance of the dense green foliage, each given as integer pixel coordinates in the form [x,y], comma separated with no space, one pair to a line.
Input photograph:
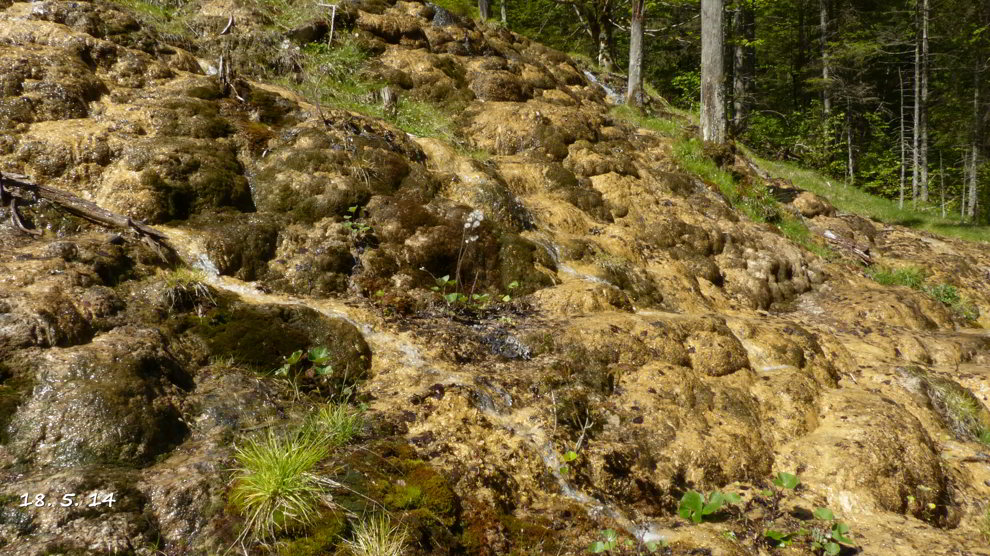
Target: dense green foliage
[870,52]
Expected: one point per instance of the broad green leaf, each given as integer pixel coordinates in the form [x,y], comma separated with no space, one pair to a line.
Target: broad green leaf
[570,455]
[653,546]
[832,549]
[715,500]
[690,506]
[319,355]
[610,535]
[506,298]
[824,514]
[786,480]
[597,547]
[778,536]
[452,297]
[294,358]
[513,285]
[839,531]
[733,498]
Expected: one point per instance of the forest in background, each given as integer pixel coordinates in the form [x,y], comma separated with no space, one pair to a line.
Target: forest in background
[889,96]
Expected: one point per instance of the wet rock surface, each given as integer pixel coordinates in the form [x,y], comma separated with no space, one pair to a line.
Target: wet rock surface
[543,280]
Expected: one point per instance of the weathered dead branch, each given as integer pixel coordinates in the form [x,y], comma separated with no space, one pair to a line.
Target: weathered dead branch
[15,188]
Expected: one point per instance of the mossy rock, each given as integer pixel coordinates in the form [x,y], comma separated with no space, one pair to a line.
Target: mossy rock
[261,336]
[239,244]
[322,536]
[14,389]
[517,260]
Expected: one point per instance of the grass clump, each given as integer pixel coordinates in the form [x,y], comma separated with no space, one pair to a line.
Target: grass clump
[273,486]
[909,276]
[185,288]
[337,423]
[377,536]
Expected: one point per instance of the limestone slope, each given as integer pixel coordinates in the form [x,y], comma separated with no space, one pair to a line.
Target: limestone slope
[607,303]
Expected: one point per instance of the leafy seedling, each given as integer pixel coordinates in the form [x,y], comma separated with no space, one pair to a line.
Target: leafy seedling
[694,507]
[610,539]
[568,457]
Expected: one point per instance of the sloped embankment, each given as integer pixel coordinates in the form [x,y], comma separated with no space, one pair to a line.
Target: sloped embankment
[606,303]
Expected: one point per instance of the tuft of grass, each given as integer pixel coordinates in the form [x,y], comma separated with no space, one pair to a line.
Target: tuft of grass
[376,536]
[337,423]
[910,276]
[273,486]
[959,410]
[185,287]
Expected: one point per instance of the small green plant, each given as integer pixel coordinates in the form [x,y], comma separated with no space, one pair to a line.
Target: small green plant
[507,298]
[568,457]
[273,487]
[377,536]
[313,370]
[695,507]
[829,538]
[609,541]
[352,223]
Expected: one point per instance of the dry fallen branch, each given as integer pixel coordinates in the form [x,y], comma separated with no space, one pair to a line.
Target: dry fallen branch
[15,188]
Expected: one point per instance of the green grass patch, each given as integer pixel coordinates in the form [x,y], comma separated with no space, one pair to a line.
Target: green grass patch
[273,486]
[335,76]
[289,14]
[916,278]
[462,8]
[851,199]
[909,276]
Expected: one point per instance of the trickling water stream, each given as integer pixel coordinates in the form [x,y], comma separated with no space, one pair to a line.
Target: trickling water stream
[391,347]
[610,94]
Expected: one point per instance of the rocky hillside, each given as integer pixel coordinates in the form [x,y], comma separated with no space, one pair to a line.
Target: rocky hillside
[550,328]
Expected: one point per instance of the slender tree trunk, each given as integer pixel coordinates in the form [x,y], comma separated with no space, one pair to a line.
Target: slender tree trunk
[900,77]
[941,181]
[743,33]
[634,91]
[923,156]
[826,67]
[974,160]
[916,128]
[505,13]
[851,160]
[962,189]
[484,7]
[713,120]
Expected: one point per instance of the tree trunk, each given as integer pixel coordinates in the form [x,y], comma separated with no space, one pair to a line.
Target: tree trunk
[484,7]
[974,161]
[743,33]
[900,77]
[923,121]
[505,13]
[916,128]
[826,68]
[713,121]
[634,90]
[941,181]
[851,160]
